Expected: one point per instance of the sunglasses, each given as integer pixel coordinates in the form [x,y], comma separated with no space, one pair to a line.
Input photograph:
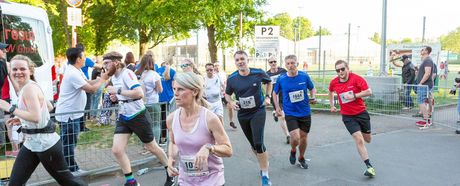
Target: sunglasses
[184,65]
[271,62]
[340,69]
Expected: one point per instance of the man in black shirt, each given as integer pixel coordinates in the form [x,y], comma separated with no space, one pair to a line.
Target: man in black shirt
[408,79]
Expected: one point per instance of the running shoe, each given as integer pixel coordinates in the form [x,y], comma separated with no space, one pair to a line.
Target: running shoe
[288,139]
[420,123]
[274,117]
[303,163]
[292,157]
[266,181]
[370,172]
[132,183]
[232,125]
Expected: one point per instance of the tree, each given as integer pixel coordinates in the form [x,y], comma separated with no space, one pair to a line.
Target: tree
[324,32]
[375,38]
[305,27]
[284,21]
[221,20]
[451,41]
[406,40]
[154,21]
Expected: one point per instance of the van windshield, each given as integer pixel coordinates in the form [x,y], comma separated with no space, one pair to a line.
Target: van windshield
[26,36]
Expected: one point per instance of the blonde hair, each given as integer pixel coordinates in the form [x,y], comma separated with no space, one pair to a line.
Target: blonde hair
[166,73]
[192,81]
[30,64]
[194,69]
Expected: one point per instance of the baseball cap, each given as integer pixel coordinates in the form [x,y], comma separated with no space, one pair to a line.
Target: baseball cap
[404,57]
[3,45]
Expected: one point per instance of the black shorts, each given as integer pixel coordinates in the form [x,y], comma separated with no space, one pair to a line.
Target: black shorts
[140,125]
[360,122]
[302,123]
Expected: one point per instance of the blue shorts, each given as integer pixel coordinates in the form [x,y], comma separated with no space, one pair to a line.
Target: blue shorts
[422,94]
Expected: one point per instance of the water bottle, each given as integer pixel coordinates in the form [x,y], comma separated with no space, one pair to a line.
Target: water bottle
[142,171]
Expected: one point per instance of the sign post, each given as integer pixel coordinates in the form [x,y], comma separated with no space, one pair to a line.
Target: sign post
[266,41]
[74,18]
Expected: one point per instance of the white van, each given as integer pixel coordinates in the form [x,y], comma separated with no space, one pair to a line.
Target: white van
[28,32]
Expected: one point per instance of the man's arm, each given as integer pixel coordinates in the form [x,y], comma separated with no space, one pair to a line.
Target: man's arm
[364,93]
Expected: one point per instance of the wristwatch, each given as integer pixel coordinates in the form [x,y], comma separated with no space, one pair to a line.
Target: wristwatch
[210,147]
[268,96]
[119,91]
[12,109]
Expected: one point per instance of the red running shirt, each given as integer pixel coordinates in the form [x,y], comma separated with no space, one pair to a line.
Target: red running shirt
[355,84]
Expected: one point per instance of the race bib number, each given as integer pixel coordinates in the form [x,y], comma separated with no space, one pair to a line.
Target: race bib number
[190,168]
[247,102]
[274,78]
[296,96]
[344,100]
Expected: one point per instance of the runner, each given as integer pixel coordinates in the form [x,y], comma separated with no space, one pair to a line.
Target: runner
[132,117]
[293,87]
[223,77]
[213,89]
[198,139]
[351,88]
[42,144]
[274,73]
[246,83]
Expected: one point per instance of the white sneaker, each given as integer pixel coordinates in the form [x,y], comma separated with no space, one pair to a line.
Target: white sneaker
[79,172]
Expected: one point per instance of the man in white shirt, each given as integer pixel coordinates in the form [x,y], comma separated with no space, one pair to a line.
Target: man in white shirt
[72,98]
[223,77]
[213,91]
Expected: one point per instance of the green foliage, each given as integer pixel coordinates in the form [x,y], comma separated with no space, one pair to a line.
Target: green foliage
[375,38]
[221,18]
[451,41]
[289,26]
[324,32]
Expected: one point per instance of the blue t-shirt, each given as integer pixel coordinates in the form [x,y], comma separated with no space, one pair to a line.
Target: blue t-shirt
[248,90]
[294,93]
[84,69]
[168,92]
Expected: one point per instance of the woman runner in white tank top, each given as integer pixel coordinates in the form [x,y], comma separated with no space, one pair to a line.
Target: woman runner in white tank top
[197,137]
[33,113]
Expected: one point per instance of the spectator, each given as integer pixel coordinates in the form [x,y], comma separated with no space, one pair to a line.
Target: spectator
[166,97]
[72,98]
[85,68]
[96,97]
[130,62]
[151,85]
[408,79]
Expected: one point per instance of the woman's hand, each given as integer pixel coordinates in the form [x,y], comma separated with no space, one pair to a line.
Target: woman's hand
[13,121]
[172,171]
[201,158]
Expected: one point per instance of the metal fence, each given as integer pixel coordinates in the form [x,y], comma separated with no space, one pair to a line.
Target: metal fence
[401,101]
[93,151]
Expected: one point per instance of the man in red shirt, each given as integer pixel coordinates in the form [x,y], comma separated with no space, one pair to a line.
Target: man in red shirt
[350,89]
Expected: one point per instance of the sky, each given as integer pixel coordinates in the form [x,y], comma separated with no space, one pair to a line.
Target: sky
[404,17]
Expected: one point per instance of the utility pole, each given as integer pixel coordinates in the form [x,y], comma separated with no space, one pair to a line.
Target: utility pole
[348,50]
[423,34]
[383,40]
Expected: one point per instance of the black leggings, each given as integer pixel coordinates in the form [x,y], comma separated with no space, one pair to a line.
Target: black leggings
[53,161]
[253,128]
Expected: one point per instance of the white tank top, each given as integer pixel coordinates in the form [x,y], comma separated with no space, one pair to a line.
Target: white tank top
[37,142]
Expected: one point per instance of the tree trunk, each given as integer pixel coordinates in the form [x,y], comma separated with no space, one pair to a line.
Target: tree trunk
[212,42]
[143,41]
[63,13]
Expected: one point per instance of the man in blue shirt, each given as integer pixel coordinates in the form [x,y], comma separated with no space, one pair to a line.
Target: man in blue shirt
[246,83]
[293,87]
